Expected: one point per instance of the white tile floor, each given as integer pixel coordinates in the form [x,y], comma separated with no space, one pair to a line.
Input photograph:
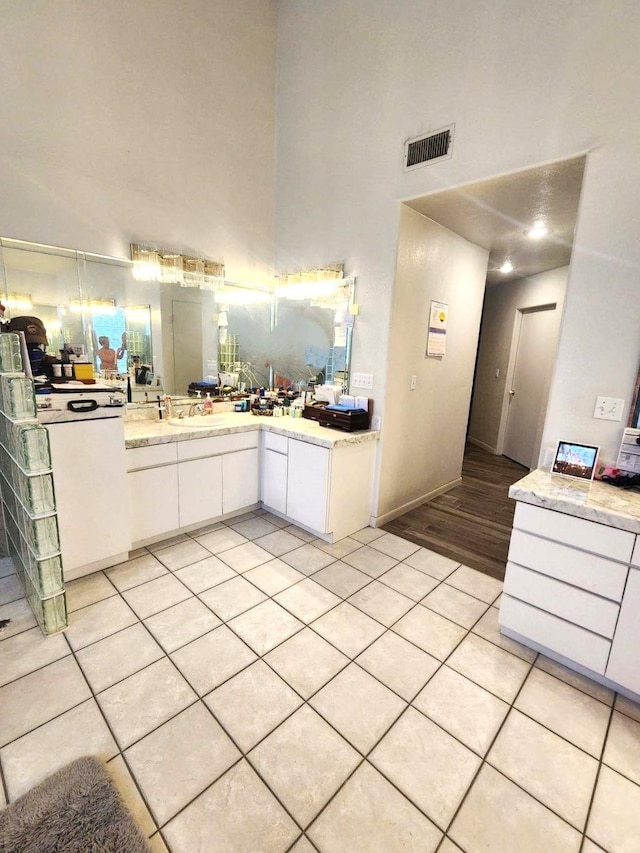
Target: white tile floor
[252,690]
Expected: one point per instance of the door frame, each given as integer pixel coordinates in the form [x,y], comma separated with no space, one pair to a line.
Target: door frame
[511,368]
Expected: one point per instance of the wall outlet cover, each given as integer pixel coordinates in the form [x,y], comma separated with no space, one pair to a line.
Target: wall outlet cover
[376,422]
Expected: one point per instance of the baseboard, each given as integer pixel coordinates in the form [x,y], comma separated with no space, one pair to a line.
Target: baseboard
[482,444]
[379,520]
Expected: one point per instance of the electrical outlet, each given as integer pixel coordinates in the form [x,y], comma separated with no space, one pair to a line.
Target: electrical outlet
[376,422]
[362,380]
[608,408]
[413,382]
[497,373]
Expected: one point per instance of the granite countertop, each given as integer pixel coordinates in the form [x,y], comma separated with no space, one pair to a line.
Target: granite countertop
[142,433]
[597,501]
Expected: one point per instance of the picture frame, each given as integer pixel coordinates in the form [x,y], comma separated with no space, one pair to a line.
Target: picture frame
[574,460]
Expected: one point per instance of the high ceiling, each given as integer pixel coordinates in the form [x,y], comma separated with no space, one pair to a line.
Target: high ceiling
[497,213]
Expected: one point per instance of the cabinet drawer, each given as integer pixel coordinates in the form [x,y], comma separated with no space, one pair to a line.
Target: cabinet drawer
[545,629]
[575,605]
[587,571]
[151,457]
[279,443]
[199,448]
[577,532]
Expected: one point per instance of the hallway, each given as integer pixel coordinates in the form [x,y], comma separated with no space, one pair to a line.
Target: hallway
[472,523]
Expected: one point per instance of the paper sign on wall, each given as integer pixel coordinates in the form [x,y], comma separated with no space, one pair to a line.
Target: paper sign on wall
[437,337]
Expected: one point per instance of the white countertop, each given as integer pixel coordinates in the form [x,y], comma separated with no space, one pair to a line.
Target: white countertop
[597,501]
[142,433]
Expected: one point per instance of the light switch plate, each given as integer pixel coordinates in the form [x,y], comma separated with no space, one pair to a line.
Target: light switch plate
[413,382]
[608,408]
[362,380]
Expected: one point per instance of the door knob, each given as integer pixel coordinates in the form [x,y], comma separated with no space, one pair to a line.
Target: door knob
[512,392]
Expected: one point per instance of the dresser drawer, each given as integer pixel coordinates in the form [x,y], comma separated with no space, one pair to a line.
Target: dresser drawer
[279,443]
[577,532]
[545,629]
[587,571]
[201,448]
[575,605]
[151,457]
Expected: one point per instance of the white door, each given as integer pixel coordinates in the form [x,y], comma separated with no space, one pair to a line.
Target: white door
[187,344]
[534,345]
[308,485]
[240,477]
[274,480]
[200,490]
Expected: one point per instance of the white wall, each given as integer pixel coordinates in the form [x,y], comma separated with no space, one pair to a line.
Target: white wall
[500,306]
[424,431]
[525,84]
[150,120]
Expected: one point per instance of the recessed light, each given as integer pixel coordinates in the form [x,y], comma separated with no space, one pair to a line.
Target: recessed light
[506,267]
[539,230]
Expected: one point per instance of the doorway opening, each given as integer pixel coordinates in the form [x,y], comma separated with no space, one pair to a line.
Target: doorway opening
[526,222]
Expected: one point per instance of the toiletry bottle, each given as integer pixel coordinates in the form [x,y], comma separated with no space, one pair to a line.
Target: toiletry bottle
[208,405]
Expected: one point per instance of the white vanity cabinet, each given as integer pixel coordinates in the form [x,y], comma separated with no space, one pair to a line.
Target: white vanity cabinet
[275,466]
[572,587]
[199,490]
[325,490]
[308,485]
[181,484]
[152,480]
[624,660]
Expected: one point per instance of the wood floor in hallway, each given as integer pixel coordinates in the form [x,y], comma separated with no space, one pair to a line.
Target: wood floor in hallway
[471,523]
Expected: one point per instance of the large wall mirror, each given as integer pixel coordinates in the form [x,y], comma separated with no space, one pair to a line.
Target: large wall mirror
[254,335]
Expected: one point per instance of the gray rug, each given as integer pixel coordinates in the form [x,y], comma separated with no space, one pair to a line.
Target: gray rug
[77,810]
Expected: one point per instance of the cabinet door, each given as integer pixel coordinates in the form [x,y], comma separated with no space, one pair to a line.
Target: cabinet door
[274,481]
[153,502]
[200,486]
[239,480]
[623,661]
[308,484]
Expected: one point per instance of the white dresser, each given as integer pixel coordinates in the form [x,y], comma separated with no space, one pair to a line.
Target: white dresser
[572,584]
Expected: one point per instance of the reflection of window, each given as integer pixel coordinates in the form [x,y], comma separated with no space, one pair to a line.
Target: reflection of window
[109,329]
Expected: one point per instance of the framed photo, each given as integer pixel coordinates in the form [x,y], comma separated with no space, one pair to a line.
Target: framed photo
[575,460]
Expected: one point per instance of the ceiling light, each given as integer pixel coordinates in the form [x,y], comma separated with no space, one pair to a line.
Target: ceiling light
[539,230]
[506,267]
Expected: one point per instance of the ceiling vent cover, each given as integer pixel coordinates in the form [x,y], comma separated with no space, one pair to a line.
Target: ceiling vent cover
[428,149]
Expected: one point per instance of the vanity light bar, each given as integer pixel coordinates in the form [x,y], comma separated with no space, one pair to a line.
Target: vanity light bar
[151,263]
[21,301]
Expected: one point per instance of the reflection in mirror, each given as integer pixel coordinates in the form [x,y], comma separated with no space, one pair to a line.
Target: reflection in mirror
[298,336]
[290,341]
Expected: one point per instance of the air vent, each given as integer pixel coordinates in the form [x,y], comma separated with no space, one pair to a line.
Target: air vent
[428,149]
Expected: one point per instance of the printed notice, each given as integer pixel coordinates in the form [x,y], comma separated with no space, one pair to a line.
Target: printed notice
[437,337]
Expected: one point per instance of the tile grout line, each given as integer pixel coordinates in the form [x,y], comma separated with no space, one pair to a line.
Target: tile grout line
[598,772]
[483,760]
[119,747]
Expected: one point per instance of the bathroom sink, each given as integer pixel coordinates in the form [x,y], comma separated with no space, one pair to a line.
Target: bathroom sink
[197,421]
